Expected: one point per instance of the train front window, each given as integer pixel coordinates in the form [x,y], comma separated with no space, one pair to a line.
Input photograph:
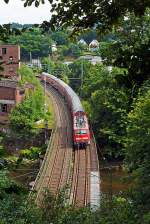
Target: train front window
[81,132]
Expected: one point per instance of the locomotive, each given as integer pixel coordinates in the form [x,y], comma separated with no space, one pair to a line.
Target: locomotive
[81,133]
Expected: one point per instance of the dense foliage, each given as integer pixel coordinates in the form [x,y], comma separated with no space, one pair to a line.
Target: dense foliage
[137,145]
[24,115]
[85,14]
[138,130]
[35,45]
[16,207]
[32,42]
[130,49]
[6,30]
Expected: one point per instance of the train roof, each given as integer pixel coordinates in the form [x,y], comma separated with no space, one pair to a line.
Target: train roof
[76,103]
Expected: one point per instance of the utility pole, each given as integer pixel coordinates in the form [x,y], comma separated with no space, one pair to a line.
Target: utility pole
[81,78]
[48,63]
[45,110]
[30,57]
[110,189]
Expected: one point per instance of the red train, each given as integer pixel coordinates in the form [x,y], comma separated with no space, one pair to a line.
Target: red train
[81,133]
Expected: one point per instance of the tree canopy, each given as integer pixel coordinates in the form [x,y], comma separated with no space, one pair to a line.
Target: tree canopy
[130,49]
[24,115]
[32,41]
[102,13]
[6,31]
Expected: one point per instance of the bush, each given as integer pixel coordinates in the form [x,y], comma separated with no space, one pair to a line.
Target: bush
[32,153]
[2,151]
[25,114]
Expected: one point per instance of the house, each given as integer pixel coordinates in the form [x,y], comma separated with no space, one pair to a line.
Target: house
[9,61]
[54,47]
[10,95]
[94,45]
[10,91]
[35,62]
[82,42]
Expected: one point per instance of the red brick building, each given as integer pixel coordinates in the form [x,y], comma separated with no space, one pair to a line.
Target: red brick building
[10,61]
[10,92]
[10,95]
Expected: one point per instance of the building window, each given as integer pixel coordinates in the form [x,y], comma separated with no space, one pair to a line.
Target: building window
[21,92]
[4,50]
[3,107]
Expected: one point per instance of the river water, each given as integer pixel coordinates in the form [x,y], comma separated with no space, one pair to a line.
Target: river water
[114,178]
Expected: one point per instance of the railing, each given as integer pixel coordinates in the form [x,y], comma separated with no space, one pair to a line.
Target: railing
[49,147]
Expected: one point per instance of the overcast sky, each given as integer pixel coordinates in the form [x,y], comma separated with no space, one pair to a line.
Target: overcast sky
[15,12]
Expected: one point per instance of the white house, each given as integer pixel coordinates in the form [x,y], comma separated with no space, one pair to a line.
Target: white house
[54,48]
[94,45]
[83,42]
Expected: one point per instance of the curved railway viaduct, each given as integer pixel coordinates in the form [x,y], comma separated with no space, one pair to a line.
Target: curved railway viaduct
[63,166]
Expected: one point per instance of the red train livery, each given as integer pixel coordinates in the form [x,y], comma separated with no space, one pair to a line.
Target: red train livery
[81,133]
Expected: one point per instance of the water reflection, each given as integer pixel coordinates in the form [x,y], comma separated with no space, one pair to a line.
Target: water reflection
[114,179]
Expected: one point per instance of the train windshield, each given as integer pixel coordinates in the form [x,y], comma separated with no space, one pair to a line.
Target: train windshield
[81,132]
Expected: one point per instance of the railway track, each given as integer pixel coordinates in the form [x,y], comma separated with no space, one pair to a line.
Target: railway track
[62,164]
[56,166]
[80,181]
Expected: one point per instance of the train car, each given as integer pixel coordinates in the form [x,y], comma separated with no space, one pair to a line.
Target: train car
[81,133]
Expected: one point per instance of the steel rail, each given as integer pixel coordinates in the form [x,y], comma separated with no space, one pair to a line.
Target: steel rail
[54,155]
[65,155]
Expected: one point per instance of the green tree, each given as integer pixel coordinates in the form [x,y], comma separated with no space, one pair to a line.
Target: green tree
[6,30]
[32,41]
[24,115]
[138,131]
[15,207]
[72,50]
[130,50]
[86,14]
[60,37]
[108,108]
[137,147]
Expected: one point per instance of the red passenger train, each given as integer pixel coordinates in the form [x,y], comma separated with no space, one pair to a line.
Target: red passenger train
[81,133]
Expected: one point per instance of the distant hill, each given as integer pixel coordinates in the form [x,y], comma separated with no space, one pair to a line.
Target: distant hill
[21,26]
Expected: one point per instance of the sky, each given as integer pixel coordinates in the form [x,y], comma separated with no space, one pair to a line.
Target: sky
[14,11]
